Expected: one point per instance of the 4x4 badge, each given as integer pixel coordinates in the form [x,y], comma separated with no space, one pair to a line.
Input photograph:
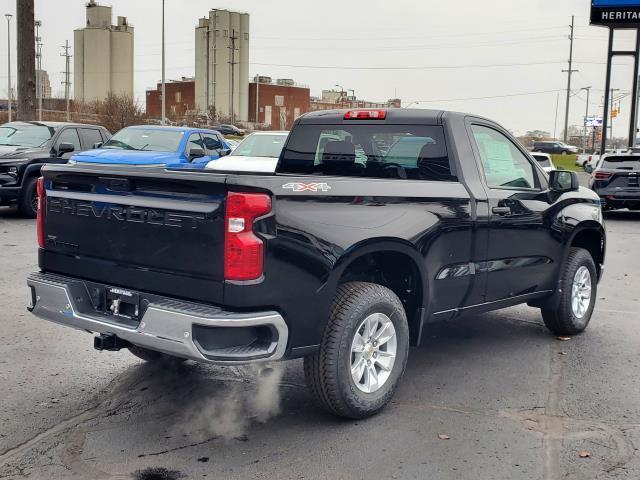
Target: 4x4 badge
[307,187]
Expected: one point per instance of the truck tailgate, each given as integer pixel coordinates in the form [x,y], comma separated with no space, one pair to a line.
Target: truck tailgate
[157,233]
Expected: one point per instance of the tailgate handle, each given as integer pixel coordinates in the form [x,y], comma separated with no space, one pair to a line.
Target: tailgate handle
[501,210]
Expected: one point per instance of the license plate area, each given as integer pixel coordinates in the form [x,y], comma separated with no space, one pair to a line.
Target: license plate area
[122,303]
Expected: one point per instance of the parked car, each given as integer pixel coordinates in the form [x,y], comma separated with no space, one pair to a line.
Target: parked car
[230,130]
[148,145]
[258,152]
[232,143]
[26,146]
[336,261]
[554,147]
[544,160]
[616,181]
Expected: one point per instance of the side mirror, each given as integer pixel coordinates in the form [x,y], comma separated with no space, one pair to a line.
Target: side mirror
[196,153]
[65,147]
[97,145]
[561,181]
[224,152]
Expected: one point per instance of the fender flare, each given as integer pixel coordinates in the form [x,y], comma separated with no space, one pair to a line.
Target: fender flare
[385,244]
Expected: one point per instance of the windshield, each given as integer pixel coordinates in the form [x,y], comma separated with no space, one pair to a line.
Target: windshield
[147,139]
[260,146]
[25,134]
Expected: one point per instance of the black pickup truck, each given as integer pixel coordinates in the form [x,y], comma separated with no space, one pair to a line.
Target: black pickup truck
[375,223]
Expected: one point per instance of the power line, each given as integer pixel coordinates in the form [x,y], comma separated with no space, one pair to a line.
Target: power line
[427,67]
[508,95]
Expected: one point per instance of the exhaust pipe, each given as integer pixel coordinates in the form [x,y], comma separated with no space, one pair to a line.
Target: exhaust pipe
[109,342]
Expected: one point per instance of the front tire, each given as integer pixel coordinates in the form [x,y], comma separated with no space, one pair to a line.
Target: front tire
[578,291]
[28,202]
[363,353]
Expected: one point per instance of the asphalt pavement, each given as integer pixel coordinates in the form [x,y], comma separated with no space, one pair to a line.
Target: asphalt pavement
[493,396]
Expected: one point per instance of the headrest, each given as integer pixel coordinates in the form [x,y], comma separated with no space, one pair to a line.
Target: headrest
[339,152]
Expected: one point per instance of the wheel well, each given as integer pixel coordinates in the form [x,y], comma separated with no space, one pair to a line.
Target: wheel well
[592,241]
[399,273]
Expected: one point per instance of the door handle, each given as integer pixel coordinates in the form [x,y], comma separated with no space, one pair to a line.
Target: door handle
[501,210]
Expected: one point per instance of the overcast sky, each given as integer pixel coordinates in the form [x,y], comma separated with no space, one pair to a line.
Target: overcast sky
[442,53]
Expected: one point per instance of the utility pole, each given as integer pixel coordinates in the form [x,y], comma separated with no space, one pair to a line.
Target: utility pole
[257,98]
[39,69]
[26,60]
[164,101]
[586,114]
[569,72]
[555,124]
[66,83]
[233,64]
[8,17]
[613,90]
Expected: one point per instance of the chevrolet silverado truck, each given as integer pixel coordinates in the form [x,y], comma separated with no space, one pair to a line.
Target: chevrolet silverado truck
[344,255]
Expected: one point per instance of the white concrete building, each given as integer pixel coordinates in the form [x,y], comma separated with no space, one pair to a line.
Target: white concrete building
[103,55]
[222,64]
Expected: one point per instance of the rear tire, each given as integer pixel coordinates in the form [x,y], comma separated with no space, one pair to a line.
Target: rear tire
[578,291]
[152,356]
[28,202]
[357,368]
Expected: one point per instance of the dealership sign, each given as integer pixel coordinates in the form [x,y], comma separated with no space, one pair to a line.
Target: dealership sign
[593,122]
[616,13]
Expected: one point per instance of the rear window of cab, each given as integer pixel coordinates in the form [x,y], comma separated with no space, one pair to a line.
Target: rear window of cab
[416,152]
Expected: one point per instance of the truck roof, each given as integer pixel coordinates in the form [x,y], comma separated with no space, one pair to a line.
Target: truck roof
[394,115]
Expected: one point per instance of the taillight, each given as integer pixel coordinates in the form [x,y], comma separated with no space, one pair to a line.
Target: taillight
[243,250]
[601,175]
[365,115]
[41,207]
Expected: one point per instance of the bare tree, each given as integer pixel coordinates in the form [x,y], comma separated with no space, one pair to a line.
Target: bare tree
[26,60]
[119,111]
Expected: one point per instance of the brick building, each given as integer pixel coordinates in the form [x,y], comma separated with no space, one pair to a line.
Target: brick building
[180,98]
[279,103]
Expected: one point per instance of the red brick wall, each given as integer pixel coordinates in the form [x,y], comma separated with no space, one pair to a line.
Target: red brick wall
[282,116]
[180,98]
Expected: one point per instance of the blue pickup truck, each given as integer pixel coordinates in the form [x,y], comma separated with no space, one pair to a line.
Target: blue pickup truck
[173,147]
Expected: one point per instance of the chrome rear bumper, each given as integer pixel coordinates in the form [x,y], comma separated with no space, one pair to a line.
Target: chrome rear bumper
[167,325]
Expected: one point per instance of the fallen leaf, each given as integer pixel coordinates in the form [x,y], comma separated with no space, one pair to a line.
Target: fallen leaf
[442,436]
[562,353]
[564,339]
[584,454]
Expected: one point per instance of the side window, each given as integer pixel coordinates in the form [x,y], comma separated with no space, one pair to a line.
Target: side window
[505,166]
[194,142]
[90,136]
[70,135]
[212,143]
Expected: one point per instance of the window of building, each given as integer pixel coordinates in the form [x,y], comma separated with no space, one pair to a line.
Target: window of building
[178,97]
[246,36]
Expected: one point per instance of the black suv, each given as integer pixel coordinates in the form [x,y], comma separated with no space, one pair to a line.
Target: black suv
[26,146]
[554,147]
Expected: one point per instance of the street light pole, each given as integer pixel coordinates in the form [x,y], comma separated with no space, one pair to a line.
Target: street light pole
[164,103]
[39,69]
[8,17]
[586,114]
